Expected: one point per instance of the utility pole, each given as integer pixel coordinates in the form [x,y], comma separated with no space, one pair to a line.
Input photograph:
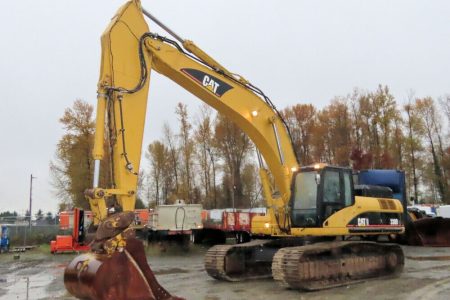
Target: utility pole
[31,198]
[214,175]
[233,187]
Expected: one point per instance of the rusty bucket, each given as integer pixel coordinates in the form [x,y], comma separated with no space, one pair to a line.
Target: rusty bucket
[433,232]
[122,274]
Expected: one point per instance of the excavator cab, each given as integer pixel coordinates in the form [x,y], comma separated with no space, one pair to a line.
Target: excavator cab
[318,192]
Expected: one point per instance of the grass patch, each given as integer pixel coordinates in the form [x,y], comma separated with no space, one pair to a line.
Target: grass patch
[43,248]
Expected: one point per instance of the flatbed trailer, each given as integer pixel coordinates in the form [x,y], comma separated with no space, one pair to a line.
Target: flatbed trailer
[222,224]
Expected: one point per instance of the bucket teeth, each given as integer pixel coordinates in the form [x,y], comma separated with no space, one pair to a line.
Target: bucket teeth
[113,225]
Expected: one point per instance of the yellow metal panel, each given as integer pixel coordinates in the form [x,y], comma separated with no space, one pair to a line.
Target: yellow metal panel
[336,224]
[120,67]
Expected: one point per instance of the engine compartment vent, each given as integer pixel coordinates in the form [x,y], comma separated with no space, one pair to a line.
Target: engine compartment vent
[387,204]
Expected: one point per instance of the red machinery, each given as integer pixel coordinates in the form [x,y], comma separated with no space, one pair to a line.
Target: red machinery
[66,218]
[220,224]
[74,242]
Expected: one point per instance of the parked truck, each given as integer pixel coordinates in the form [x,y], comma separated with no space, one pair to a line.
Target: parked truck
[174,222]
[443,211]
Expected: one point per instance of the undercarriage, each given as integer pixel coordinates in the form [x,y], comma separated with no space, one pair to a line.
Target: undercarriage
[304,264]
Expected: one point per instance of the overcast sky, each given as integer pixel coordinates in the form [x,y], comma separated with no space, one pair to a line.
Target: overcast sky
[296,51]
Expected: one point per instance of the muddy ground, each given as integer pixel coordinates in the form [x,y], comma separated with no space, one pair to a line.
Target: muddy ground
[38,275]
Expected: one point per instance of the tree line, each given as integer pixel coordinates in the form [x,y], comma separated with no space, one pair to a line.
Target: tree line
[207,159]
[40,218]
[370,130]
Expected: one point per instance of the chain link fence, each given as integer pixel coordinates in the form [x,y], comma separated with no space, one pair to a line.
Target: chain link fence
[40,232]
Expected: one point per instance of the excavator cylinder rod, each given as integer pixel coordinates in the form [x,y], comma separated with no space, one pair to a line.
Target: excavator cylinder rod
[162,25]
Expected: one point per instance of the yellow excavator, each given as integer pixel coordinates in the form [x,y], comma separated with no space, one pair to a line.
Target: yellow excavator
[306,239]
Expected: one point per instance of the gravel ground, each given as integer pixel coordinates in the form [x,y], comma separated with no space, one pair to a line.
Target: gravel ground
[38,275]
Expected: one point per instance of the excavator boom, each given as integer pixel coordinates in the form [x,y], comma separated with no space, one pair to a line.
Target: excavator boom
[129,52]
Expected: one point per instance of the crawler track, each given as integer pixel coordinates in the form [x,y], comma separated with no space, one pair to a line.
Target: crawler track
[237,262]
[308,267]
[325,265]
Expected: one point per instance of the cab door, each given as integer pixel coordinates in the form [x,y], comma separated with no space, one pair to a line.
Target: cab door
[336,191]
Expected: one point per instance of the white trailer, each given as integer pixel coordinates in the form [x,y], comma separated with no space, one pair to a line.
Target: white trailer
[174,220]
[443,211]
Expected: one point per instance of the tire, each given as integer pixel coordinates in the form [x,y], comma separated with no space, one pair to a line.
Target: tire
[246,237]
[238,237]
[197,237]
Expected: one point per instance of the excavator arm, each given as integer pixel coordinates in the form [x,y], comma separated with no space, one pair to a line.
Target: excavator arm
[129,52]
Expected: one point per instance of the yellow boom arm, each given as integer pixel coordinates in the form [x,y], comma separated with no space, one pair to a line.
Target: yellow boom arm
[129,51]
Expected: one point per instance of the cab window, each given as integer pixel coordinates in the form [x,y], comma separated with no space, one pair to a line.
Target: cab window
[304,207]
[347,190]
[332,190]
